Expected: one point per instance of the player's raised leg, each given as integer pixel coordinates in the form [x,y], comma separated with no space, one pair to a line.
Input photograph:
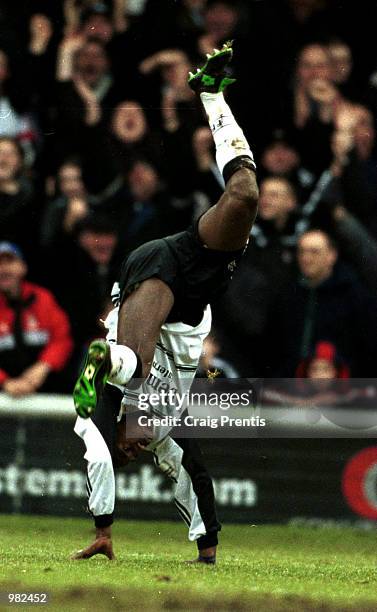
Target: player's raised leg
[226,226]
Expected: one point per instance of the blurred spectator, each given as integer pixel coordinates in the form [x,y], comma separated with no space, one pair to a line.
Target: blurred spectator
[35,339]
[18,215]
[277,226]
[326,301]
[323,363]
[70,205]
[148,214]
[342,65]
[171,66]
[354,164]
[132,137]
[86,91]
[265,268]
[82,273]
[281,158]
[316,104]
[94,18]
[14,120]
[221,20]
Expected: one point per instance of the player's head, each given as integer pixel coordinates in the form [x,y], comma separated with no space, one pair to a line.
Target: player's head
[12,269]
[277,198]
[132,438]
[316,256]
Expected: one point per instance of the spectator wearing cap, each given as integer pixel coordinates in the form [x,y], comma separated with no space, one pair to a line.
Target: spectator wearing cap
[35,340]
[324,363]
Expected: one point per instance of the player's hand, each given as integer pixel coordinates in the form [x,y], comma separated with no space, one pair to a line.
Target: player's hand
[169,110]
[41,31]
[36,375]
[167,57]
[77,209]
[17,387]
[93,108]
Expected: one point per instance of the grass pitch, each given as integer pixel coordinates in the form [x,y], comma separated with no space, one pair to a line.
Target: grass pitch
[260,568]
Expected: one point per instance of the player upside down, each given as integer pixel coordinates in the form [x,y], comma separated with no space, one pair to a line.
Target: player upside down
[156,333]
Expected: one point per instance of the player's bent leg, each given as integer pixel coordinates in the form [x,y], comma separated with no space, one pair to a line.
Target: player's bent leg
[140,318]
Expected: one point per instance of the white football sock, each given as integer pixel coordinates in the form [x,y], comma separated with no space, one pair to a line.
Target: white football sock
[229,139]
[123,362]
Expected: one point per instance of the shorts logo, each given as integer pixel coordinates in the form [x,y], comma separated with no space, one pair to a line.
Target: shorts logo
[232,266]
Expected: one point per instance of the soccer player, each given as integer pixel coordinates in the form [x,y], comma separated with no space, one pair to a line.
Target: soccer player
[156,333]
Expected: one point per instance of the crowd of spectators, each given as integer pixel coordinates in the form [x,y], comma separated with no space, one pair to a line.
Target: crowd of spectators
[103,146]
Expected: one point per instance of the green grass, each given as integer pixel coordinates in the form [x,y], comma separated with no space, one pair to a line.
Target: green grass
[260,568]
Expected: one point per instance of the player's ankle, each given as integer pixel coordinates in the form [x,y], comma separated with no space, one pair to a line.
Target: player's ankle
[206,553]
[103,532]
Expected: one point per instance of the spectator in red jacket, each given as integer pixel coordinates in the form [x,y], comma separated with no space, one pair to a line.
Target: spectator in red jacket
[35,339]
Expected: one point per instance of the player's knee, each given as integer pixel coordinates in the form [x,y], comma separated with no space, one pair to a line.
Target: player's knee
[242,189]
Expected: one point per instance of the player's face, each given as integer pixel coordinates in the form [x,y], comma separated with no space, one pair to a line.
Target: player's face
[129,451]
[316,257]
[12,271]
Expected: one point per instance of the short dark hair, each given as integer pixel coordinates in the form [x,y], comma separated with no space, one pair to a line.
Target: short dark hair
[330,239]
[98,223]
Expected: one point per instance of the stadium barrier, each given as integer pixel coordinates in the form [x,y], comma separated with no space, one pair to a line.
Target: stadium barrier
[260,479]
